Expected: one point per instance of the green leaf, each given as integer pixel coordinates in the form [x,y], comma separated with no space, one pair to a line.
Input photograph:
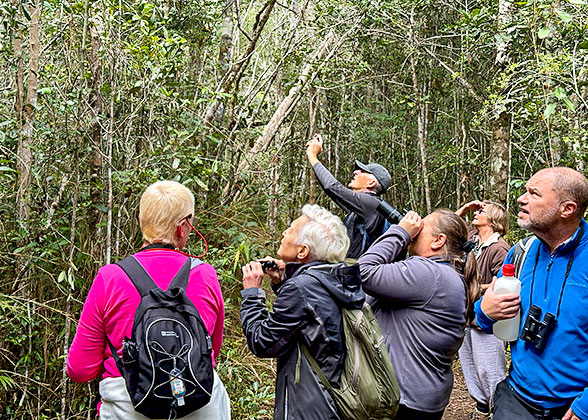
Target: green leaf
[579,2]
[549,110]
[583,45]
[569,104]
[560,93]
[201,184]
[544,32]
[61,277]
[564,16]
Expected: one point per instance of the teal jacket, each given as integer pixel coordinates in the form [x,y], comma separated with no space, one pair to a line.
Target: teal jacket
[559,373]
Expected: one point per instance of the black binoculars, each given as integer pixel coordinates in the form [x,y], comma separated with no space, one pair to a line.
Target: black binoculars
[535,331]
[268,265]
[391,214]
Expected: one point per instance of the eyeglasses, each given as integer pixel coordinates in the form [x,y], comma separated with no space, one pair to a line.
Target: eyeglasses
[188,217]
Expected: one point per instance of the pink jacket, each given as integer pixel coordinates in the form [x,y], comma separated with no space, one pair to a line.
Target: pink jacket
[111,304]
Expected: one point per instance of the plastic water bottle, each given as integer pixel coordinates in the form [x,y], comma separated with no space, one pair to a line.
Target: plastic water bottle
[508,329]
[177,386]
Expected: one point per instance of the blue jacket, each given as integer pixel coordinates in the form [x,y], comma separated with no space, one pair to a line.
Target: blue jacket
[559,373]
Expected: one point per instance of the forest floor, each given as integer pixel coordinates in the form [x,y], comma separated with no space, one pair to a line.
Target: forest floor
[461,404]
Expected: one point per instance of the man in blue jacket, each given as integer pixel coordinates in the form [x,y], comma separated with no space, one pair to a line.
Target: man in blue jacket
[549,374]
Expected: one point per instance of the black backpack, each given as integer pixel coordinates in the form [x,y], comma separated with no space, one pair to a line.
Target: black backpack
[519,254]
[169,348]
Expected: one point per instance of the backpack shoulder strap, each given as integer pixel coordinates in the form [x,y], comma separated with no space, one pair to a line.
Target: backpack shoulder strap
[519,254]
[314,365]
[136,272]
[181,278]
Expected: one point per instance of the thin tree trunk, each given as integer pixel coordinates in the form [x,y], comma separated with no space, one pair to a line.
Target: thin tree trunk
[312,129]
[72,247]
[25,110]
[290,101]
[235,73]
[421,119]
[284,109]
[500,141]
[96,161]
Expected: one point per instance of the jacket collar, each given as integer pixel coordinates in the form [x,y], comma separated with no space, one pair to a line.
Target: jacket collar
[573,241]
[491,240]
[293,268]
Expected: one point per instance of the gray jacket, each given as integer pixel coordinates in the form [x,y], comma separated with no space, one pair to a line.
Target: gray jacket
[360,209]
[420,304]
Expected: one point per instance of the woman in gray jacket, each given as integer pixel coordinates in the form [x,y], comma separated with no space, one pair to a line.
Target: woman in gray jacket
[421,304]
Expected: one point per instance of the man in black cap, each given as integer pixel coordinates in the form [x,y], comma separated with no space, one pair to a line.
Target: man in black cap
[364,224]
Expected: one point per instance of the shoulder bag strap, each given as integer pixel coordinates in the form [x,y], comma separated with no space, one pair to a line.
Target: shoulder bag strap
[521,249]
[314,365]
[140,278]
[181,278]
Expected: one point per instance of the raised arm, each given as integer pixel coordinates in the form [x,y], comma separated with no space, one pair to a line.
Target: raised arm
[384,277]
[472,205]
[364,205]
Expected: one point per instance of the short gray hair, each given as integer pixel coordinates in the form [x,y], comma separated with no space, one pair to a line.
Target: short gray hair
[571,185]
[324,234]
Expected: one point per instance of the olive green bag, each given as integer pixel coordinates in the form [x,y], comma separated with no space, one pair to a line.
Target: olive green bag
[368,388]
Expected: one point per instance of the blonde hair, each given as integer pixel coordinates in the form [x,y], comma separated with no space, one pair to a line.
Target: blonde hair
[497,216]
[163,205]
[324,234]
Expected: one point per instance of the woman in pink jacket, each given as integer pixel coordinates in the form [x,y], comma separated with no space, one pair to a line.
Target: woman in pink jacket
[165,214]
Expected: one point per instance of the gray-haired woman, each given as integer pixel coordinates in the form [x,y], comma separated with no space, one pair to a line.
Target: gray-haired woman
[304,312]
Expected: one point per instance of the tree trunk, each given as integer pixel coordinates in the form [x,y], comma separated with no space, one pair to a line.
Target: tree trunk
[25,116]
[235,73]
[500,142]
[96,161]
[312,129]
[283,110]
[421,112]
[499,159]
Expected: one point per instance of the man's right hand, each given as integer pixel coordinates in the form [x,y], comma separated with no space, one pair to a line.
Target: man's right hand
[313,148]
[499,307]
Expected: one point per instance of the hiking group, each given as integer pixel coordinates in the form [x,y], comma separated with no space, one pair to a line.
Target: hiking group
[369,312]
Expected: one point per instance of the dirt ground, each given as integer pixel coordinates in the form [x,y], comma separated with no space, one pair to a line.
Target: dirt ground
[461,404]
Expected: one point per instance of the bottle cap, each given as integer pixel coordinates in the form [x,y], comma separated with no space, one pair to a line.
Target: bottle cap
[508,270]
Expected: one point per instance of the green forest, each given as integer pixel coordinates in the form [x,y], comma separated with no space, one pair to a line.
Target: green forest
[460,100]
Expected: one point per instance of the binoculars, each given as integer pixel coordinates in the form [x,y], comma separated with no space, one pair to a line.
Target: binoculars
[268,265]
[392,215]
[535,331]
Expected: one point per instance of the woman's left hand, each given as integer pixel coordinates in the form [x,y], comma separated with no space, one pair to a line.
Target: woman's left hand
[252,275]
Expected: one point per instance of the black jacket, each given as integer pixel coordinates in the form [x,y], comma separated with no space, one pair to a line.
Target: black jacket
[304,312]
[360,208]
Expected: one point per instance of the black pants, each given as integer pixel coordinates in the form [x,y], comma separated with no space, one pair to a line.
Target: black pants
[508,406]
[405,413]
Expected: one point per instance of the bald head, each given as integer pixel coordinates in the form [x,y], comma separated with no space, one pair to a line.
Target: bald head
[570,185]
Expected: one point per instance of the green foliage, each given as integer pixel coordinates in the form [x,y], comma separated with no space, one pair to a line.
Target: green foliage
[123,91]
